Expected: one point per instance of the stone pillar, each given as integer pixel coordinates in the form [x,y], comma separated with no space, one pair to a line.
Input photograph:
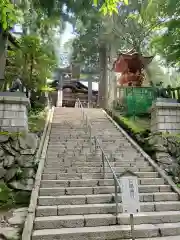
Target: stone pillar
[165,116]
[90,92]
[13,112]
[60,92]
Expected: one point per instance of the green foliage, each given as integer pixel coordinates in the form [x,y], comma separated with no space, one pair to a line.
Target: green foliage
[10,198]
[86,44]
[47,89]
[79,7]
[34,62]
[13,134]
[108,7]
[5,193]
[131,28]
[7,14]
[133,124]
[36,119]
[167,43]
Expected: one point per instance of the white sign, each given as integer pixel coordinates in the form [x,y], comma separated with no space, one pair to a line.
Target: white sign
[130,194]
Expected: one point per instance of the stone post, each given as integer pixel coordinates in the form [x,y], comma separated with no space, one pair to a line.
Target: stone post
[60,91]
[13,112]
[90,92]
[165,116]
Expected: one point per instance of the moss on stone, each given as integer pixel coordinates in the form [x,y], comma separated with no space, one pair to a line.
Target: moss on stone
[5,193]
[12,134]
[10,198]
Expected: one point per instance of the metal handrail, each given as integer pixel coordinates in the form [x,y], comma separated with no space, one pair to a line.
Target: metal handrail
[104,157]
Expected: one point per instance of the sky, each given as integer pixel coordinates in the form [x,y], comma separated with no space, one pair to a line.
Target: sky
[68,33]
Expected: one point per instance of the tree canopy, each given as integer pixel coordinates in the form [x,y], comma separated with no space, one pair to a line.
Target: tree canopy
[167,43]
[148,26]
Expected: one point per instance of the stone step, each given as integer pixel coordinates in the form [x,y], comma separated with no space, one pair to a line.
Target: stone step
[94,220]
[64,148]
[64,176]
[103,198]
[57,157]
[99,170]
[81,159]
[108,232]
[58,191]
[103,208]
[162,238]
[95,182]
[61,162]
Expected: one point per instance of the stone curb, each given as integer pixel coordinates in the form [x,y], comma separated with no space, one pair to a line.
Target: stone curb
[41,154]
[146,156]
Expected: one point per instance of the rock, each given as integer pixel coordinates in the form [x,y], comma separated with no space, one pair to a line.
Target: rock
[8,161]
[26,161]
[157,139]
[10,174]
[160,148]
[172,147]
[24,209]
[2,155]
[1,152]
[2,159]
[3,138]
[29,141]
[19,216]
[25,184]
[28,173]
[27,152]
[15,144]
[7,147]
[2,172]
[22,197]
[164,158]
[10,233]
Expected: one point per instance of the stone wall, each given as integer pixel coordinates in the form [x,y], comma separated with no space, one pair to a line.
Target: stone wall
[166,150]
[165,117]
[13,113]
[17,164]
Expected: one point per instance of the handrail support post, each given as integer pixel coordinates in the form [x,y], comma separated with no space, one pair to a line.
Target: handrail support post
[103,163]
[116,197]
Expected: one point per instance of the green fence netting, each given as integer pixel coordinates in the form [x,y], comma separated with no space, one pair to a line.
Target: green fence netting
[136,101]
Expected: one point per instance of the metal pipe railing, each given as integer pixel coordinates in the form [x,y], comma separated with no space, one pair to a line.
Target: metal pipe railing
[103,155]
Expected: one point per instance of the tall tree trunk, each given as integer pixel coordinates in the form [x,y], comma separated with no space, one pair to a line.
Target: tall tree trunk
[31,68]
[3,53]
[103,85]
[112,94]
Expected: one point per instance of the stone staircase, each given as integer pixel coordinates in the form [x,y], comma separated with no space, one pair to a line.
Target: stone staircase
[76,203]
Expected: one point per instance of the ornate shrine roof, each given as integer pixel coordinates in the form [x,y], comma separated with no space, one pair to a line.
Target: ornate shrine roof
[131,61]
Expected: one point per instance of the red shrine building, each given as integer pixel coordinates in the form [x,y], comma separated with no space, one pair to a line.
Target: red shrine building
[129,67]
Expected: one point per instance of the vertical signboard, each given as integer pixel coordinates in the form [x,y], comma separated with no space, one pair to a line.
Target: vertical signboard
[129,192]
